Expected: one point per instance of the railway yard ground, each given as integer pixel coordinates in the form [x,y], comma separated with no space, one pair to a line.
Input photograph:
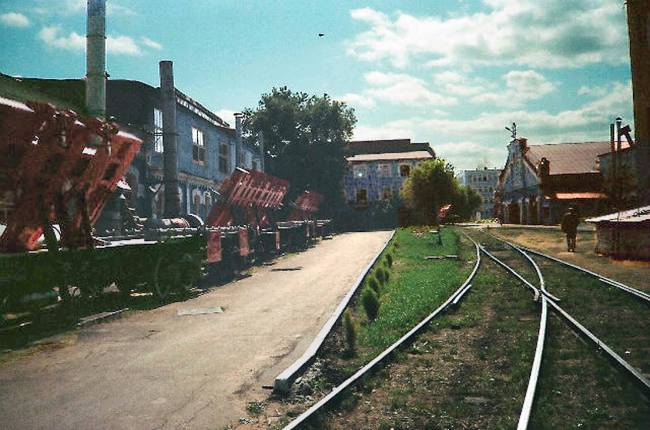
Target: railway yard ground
[470,367]
[160,369]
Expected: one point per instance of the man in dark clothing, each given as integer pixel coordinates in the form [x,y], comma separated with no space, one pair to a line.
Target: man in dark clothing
[570,228]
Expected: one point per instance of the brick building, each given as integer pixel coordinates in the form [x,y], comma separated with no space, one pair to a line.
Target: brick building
[539,182]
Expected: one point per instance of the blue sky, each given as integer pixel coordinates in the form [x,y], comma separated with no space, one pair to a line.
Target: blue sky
[453,73]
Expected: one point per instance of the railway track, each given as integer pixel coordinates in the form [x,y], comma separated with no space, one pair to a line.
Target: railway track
[631,375]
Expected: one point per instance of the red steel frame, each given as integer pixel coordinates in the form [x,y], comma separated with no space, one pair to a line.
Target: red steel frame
[252,191]
[50,171]
[307,204]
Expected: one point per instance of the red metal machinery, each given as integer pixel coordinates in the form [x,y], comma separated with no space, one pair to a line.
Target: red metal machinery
[239,222]
[305,207]
[59,168]
[56,168]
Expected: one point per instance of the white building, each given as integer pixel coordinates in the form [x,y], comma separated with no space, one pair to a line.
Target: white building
[484,182]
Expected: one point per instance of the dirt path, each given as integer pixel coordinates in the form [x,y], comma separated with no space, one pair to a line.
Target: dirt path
[158,370]
[551,241]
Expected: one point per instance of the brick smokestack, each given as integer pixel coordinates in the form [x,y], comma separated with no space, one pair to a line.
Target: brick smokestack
[638,27]
[96,58]
[170,137]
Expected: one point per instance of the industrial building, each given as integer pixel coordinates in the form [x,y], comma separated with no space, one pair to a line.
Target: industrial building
[484,182]
[378,168]
[208,148]
[539,182]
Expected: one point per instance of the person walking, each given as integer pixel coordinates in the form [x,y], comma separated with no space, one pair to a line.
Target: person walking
[570,228]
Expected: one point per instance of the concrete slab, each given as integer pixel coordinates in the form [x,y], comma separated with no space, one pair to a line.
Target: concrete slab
[155,370]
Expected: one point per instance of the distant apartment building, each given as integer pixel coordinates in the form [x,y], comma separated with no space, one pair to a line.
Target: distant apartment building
[378,168]
[484,182]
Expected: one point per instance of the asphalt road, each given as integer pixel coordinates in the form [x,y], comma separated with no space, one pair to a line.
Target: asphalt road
[158,370]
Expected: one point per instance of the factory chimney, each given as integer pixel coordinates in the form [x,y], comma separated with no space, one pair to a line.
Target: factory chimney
[238,142]
[96,58]
[170,158]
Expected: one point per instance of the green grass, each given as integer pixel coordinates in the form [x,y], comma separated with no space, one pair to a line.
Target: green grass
[416,286]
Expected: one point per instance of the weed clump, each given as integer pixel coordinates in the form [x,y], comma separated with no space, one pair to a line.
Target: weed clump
[350,330]
[382,275]
[370,303]
[373,283]
[389,260]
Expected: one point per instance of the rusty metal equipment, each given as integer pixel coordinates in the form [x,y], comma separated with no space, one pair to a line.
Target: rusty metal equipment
[57,172]
[239,226]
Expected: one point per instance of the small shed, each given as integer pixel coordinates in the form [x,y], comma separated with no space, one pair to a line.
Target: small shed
[624,234]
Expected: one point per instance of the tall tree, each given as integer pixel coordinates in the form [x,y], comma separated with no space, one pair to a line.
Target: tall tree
[432,185]
[304,139]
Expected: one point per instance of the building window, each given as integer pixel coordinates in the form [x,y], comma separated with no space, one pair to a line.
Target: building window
[362,195]
[157,130]
[224,165]
[404,170]
[254,165]
[198,146]
[387,194]
[359,170]
[384,170]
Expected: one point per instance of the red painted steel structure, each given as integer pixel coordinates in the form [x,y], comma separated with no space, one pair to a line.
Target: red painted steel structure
[253,193]
[307,204]
[50,172]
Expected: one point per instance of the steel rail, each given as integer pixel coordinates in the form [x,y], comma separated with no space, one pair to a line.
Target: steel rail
[638,293]
[631,370]
[302,418]
[529,397]
[532,262]
[527,407]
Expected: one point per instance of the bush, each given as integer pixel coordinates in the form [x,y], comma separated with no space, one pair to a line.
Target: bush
[350,330]
[382,275]
[370,303]
[389,260]
[373,283]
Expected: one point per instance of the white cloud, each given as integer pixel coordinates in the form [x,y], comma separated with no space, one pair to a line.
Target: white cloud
[151,43]
[403,89]
[549,34]
[122,45]
[465,142]
[521,86]
[227,115]
[52,36]
[357,100]
[14,19]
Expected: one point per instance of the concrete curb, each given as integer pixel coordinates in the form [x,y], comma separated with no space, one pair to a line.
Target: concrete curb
[284,380]
[101,318]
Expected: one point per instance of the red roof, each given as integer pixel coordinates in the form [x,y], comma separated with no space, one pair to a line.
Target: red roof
[568,158]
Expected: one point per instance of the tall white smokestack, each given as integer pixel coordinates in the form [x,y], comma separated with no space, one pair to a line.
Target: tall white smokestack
[96,58]
[170,158]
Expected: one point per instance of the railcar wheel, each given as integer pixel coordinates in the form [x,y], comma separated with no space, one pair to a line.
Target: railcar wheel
[171,275]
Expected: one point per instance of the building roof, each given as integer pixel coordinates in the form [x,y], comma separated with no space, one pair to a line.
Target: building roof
[386,146]
[391,156]
[569,158]
[636,215]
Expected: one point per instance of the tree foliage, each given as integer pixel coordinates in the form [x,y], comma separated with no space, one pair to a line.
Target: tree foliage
[304,138]
[432,185]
